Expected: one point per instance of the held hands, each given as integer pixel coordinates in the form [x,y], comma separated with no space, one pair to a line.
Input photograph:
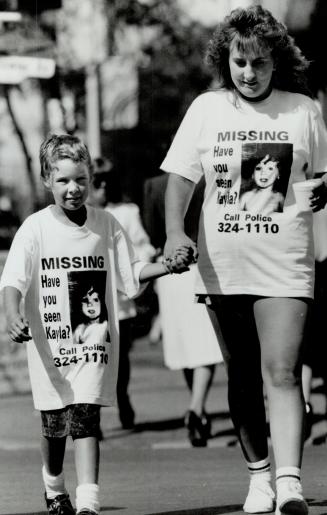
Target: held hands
[18,329]
[180,262]
[180,252]
[319,197]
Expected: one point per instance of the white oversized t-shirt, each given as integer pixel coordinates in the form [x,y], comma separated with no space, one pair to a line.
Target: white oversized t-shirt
[249,245]
[68,276]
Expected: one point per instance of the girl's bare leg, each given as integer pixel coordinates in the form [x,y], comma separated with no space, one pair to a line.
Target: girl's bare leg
[87,459]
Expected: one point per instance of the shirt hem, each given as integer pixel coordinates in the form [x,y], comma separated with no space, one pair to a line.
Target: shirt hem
[261,293]
[101,401]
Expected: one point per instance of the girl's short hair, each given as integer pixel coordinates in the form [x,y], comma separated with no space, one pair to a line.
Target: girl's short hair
[64,146]
[255,29]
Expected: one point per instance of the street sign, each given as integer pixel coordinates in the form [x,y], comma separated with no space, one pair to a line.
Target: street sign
[10,16]
[14,69]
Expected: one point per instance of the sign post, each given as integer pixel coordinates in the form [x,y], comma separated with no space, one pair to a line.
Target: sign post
[84,31]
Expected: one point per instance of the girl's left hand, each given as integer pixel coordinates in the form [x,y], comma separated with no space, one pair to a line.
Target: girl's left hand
[319,197]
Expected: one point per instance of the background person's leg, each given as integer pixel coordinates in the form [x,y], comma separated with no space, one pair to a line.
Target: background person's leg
[126,411]
[307,376]
[199,380]
[188,376]
[202,380]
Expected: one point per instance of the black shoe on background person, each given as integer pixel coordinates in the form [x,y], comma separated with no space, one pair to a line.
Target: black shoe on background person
[198,429]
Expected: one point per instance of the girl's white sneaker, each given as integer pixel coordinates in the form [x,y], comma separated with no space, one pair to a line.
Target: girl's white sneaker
[260,498]
[290,500]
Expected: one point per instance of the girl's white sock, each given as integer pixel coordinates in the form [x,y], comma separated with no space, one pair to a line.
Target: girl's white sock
[87,496]
[54,485]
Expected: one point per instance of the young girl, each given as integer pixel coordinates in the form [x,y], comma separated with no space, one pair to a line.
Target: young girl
[54,251]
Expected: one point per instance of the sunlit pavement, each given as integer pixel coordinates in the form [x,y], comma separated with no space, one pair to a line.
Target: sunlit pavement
[153,469]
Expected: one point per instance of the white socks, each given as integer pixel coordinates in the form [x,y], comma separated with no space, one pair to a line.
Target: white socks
[287,474]
[260,497]
[54,485]
[290,497]
[87,496]
[260,470]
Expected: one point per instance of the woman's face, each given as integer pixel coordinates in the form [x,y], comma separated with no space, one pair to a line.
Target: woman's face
[266,172]
[251,72]
[91,305]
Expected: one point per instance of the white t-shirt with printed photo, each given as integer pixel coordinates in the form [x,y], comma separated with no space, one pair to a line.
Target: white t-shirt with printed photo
[69,276]
[252,237]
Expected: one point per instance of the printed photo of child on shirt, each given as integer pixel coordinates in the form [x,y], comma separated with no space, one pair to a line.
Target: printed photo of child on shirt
[89,315]
[265,175]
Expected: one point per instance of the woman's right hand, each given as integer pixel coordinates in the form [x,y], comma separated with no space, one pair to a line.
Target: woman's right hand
[18,329]
[178,195]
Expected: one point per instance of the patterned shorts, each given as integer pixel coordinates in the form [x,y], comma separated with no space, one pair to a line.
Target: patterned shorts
[76,420]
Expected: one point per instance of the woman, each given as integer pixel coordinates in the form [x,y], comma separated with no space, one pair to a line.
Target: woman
[255,270]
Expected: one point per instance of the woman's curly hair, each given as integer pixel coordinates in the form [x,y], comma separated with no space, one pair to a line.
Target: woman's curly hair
[256,29]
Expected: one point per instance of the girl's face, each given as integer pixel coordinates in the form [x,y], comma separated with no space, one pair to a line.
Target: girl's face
[91,305]
[69,183]
[265,173]
[251,72]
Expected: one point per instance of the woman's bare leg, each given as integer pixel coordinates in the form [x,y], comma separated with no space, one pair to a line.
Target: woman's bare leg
[233,320]
[281,324]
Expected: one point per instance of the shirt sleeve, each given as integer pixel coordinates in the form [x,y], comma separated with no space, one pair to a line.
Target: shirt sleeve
[128,265]
[183,157]
[18,268]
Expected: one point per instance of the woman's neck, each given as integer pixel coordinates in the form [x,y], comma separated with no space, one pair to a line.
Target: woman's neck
[253,100]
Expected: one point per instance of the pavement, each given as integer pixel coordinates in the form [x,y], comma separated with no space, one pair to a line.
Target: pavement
[151,470]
